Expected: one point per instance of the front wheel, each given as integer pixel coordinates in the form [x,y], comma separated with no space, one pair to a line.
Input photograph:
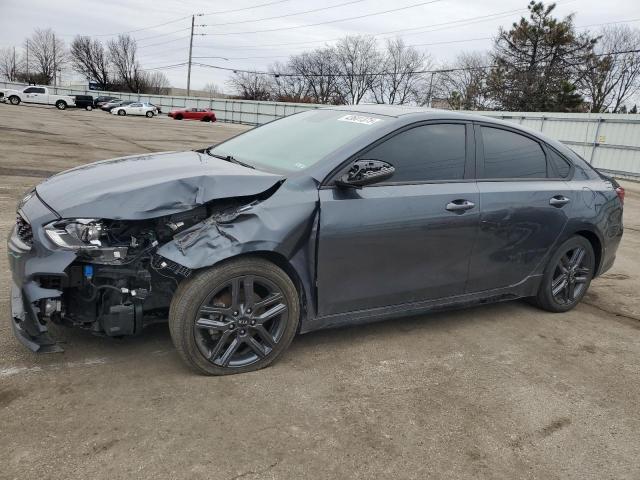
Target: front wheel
[122,113]
[149,114]
[89,108]
[234,318]
[567,276]
[61,105]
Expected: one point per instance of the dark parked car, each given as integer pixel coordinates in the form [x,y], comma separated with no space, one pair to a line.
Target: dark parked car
[84,101]
[100,101]
[324,218]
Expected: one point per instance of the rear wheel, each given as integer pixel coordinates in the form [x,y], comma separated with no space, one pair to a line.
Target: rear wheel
[567,276]
[89,108]
[14,100]
[61,104]
[233,318]
[122,113]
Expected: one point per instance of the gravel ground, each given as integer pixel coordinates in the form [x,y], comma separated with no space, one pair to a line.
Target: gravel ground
[498,392]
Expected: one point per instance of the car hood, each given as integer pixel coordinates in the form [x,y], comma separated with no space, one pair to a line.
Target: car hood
[149,186]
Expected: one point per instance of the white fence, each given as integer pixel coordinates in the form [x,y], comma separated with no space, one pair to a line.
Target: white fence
[610,142]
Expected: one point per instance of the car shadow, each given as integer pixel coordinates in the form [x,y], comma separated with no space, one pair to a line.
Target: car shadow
[156,339]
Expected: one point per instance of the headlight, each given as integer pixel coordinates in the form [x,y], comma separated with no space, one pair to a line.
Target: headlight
[75,234]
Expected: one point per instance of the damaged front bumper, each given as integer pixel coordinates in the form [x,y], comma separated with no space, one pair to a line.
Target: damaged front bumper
[30,261]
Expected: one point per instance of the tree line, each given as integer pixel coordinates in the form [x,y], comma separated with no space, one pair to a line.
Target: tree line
[111,66]
[541,63]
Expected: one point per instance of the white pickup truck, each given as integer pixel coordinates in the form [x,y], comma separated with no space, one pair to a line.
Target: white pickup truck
[36,94]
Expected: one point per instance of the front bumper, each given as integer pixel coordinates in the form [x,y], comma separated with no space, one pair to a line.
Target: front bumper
[29,264]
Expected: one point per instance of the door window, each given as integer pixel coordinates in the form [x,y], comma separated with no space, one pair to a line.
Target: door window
[425,153]
[30,90]
[510,155]
[558,166]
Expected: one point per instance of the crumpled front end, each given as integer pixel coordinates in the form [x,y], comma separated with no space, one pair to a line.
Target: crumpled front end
[114,276]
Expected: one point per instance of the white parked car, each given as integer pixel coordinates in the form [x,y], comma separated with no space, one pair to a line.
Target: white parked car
[36,94]
[137,108]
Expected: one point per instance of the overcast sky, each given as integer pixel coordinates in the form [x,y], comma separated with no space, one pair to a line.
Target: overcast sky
[443,27]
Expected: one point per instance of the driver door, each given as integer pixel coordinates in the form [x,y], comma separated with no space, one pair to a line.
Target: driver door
[405,239]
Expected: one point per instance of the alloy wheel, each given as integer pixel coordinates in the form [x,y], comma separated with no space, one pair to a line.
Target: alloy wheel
[241,321]
[571,276]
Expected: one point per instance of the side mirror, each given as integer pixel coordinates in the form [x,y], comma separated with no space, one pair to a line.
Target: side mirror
[366,172]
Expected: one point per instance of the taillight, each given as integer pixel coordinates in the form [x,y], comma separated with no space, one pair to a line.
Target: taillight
[620,192]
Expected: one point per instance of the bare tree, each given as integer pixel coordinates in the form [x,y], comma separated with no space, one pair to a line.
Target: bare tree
[213,90]
[123,57]
[612,75]
[287,84]
[90,59]
[156,83]
[316,75]
[464,84]
[46,55]
[402,77]
[358,59]
[250,85]
[9,64]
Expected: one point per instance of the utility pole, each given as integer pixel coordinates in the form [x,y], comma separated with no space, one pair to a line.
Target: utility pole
[193,20]
[13,66]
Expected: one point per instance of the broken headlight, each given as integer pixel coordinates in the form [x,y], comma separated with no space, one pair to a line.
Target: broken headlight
[75,234]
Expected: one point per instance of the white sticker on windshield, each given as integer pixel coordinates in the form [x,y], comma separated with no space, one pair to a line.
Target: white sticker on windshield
[359,119]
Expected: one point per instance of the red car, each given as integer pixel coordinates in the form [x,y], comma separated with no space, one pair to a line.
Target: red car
[202,114]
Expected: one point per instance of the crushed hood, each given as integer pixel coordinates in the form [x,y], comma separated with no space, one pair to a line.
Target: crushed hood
[149,186]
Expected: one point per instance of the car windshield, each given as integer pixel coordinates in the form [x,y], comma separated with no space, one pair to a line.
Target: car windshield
[299,141]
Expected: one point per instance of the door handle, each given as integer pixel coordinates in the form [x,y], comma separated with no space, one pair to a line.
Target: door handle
[460,206]
[559,201]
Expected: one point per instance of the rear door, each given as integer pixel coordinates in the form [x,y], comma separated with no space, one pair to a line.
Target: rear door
[523,207]
[405,240]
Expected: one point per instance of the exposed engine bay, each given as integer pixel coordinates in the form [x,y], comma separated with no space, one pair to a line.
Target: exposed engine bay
[118,283]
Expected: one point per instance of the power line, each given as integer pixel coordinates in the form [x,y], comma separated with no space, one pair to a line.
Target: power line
[246,8]
[372,74]
[164,43]
[162,34]
[351,2]
[464,21]
[327,22]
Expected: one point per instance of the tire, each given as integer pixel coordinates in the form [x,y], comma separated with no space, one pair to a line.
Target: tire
[206,119]
[178,117]
[569,273]
[13,100]
[122,113]
[149,114]
[230,339]
[61,105]
[89,108]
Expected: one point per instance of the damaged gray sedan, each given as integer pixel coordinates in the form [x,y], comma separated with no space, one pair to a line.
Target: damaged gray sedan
[320,219]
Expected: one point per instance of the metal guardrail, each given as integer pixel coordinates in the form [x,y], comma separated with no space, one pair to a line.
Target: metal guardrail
[610,142]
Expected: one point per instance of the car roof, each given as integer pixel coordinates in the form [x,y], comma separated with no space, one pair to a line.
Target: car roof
[417,114]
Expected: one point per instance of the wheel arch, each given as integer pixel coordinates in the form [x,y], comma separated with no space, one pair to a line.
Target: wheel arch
[287,266]
[596,244]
